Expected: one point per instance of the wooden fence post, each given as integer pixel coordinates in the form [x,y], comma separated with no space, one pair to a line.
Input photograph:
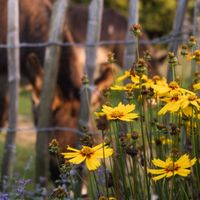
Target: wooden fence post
[196,26]
[130,49]
[93,36]
[177,28]
[13,79]
[52,56]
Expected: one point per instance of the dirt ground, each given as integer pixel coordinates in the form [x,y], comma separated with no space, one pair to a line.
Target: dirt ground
[27,135]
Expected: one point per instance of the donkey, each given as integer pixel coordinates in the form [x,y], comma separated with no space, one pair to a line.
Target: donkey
[34,26]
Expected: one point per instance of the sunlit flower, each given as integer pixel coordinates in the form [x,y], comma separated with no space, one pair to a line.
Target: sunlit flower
[127,87]
[88,154]
[126,75]
[196,86]
[190,104]
[171,168]
[156,80]
[131,74]
[120,112]
[172,105]
[168,90]
[194,56]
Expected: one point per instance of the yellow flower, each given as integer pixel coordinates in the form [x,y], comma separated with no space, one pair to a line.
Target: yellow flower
[168,90]
[173,104]
[126,75]
[194,56]
[120,112]
[88,154]
[171,168]
[127,87]
[190,104]
[196,86]
[132,75]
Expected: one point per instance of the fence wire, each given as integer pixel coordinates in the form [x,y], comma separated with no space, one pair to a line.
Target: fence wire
[160,40]
[45,129]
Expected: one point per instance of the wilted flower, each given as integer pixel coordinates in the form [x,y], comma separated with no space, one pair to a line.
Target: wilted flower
[111,58]
[102,123]
[136,30]
[192,42]
[172,60]
[184,50]
[54,146]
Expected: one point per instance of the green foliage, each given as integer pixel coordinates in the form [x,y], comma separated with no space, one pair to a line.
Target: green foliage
[25,103]
[156,16]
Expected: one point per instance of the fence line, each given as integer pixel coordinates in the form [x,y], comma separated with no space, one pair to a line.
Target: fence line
[44,129]
[160,40]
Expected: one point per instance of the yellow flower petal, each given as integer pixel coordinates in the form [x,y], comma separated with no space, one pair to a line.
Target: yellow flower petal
[106,152]
[183,172]
[78,159]
[72,149]
[92,163]
[156,171]
[70,155]
[156,178]
[159,163]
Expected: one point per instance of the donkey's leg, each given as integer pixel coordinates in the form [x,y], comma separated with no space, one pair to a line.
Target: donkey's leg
[3,100]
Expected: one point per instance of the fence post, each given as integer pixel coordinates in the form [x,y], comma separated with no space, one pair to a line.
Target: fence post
[52,55]
[93,36]
[196,26]
[13,79]
[177,28]
[130,49]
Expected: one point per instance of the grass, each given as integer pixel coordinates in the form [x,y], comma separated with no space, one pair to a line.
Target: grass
[25,153]
[24,160]
[25,103]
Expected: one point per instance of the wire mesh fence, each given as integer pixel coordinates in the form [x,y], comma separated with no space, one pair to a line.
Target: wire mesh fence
[181,37]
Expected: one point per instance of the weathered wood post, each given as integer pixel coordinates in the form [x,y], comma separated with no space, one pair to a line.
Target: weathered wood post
[177,28]
[130,49]
[93,36]
[52,56]
[196,20]
[13,79]
[196,26]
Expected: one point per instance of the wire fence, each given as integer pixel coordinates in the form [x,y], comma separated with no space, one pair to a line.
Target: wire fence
[45,129]
[160,40]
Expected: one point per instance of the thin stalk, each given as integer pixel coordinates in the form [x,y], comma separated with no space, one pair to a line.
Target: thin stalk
[144,146]
[95,179]
[91,186]
[104,163]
